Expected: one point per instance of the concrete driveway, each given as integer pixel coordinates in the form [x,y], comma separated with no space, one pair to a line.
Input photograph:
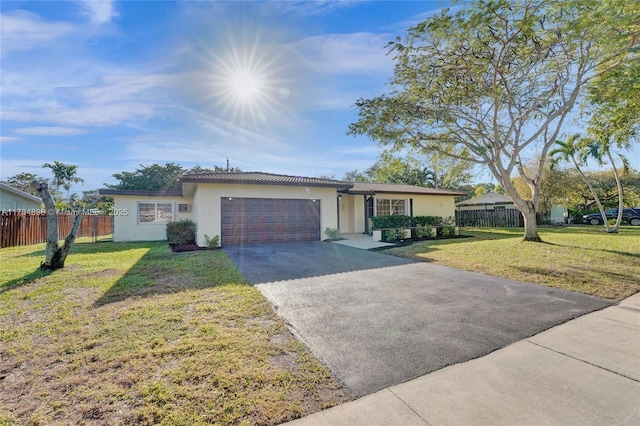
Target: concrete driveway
[378,321]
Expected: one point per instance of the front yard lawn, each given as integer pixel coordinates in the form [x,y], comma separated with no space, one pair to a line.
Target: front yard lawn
[583,259]
[131,333]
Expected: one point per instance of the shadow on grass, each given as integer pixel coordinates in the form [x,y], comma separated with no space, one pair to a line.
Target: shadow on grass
[91,248]
[24,280]
[160,271]
[577,272]
[618,252]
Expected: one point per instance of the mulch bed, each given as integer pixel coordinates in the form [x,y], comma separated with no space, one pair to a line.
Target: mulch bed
[189,247]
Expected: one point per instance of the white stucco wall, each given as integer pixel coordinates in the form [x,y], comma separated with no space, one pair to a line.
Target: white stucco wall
[206,203]
[358,211]
[125,220]
[352,208]
[427,205]
[352,214]
[11,201]
[346,215]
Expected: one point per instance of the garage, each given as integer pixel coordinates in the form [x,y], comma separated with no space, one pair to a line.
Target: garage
[263,220]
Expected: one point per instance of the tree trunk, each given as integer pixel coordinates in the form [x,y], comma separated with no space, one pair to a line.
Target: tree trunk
[526,207]
[55,256]
[595,195]
[530,224]
[620,193]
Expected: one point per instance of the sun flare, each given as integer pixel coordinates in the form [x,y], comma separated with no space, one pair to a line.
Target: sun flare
[244,81]
[246,86]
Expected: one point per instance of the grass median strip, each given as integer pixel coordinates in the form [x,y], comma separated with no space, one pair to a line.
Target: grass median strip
[577,258]
[133,333]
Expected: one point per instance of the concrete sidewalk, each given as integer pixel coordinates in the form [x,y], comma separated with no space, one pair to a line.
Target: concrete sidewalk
[361,241]
[583,372]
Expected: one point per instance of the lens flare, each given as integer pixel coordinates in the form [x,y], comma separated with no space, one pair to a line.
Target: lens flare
[246,86]
[245,79]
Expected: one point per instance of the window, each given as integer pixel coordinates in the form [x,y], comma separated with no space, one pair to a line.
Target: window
[389,207]
[155,212]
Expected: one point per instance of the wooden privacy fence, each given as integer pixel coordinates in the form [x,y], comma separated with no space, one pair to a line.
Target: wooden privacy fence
[24,228]
[498,218]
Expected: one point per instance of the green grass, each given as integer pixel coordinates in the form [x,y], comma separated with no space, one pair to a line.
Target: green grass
[130,333]
[584,259]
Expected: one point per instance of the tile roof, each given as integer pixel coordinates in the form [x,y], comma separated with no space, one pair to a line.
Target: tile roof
[262,178]
[375,187]
[486,199]
[140,192]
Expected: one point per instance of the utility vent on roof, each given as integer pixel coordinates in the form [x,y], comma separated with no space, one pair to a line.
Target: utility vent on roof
[182,208]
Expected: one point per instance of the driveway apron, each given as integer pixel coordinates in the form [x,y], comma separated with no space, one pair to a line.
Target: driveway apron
[378,320]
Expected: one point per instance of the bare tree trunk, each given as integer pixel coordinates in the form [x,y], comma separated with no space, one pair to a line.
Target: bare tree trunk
[620,193]
[55,256]
[528,210]
[595,195]
[530,224]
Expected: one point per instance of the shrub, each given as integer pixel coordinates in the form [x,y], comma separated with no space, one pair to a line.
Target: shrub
[394,235]
[181,232]
[448,231]
[212,242]
[424,231]
[449,221]
[332,233]
[426,220]
[393,221]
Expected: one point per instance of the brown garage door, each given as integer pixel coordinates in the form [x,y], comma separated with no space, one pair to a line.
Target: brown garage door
[262,220]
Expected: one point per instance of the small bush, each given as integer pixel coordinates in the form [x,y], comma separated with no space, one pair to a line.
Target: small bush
[181,232]
[451,221]
[424,231]
[332,233]
[212,242]
[394,235]
[448,231]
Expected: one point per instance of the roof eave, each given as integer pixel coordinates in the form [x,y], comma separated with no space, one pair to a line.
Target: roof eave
[262,182]
[21,193]
[140,193]
[448,194]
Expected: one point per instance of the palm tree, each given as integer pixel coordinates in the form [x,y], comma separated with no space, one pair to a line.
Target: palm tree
[63,174]
[569,150]
[597,150]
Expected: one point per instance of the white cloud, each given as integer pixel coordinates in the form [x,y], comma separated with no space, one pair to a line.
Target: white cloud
[98,11]
[9,139]
[355,53]
[402,26]
[371,149]
[49,131]
[22,30]
[14,166]
[318,7]
[115,100]
[94,177]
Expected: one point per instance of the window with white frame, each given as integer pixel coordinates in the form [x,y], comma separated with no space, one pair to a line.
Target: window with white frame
[390,207]
[155,212]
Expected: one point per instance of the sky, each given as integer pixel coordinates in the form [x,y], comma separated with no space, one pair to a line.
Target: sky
[270,86]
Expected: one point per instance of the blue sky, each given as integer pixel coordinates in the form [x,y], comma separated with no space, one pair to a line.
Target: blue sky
[270,85]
